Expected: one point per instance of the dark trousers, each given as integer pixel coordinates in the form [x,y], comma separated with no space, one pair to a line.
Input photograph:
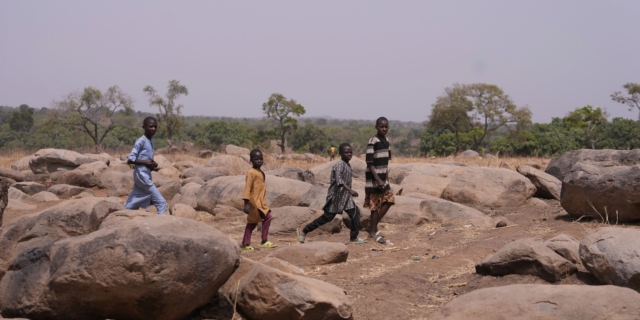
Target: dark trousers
[354,215]
[266,222]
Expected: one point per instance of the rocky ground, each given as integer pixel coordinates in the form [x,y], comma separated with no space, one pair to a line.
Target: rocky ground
[430,258]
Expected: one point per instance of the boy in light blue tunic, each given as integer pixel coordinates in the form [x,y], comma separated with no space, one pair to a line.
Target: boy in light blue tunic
[144,192]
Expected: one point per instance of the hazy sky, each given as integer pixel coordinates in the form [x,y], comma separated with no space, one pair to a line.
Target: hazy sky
[344,59]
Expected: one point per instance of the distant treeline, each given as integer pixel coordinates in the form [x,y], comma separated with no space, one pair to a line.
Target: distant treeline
[475,116]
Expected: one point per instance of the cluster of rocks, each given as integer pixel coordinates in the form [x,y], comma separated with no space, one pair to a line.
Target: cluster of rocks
[610,254]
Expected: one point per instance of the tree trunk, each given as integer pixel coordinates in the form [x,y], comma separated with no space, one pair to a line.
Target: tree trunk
[282,142]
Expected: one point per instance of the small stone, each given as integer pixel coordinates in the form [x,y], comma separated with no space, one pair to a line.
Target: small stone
[416,258]
[501,224]
[434,257]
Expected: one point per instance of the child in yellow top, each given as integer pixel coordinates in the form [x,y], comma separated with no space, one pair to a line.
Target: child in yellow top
[255,206]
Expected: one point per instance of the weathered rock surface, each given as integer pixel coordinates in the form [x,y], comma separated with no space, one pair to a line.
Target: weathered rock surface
[117,183]
[161,267]
[64,220]
[29,188]
[526,257]
[183,211]
[15,194]
[612,255]
[184,165]
[489,187]
[287,296]
[65,191]
[44,196]
[566,246]
[538,301]
[600,183]
[97,167]
[196,180]
[204,154]
[286,172]
[22,164]
[322,173]
[235,150]
[228,191]
[52,160]
[287,219]
[312,253]
[79,177]
[282,265]
[547,186]
[170,189]
[187,195]
[12,174]
[424,184]
[204,173]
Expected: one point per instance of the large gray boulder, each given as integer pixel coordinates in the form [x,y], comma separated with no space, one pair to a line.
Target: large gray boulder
[65,191]
[322,173]
[52,160]
[12,174]
[187,195]
[170,189]
[601,184]
[312,253]
[205,173]
[286,172]
[539,301]
[68,219]
[526,257]
[235,150]
[232,164]
[22,164]
[270,294]
[424,184]
[228,191]
[117,183]
[287,219]
[160,267]
[547,186]
[29,188]
[612,255]
[489,187]
[468,154]
[566,246]
[80,178]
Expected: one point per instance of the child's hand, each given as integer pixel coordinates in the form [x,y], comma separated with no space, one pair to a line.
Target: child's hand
[381,184]
[353,193]
[246,208]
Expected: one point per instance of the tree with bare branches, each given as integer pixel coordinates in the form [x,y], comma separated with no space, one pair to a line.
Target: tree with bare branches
[92,111]
[632,100]
[170,114]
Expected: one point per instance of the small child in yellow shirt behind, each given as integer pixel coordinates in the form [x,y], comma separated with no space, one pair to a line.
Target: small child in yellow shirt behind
[255,205]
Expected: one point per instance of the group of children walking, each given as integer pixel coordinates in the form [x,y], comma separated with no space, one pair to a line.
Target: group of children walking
[378,194]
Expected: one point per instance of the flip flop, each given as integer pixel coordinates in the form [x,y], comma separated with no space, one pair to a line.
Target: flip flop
[358,241]
[247,248]
[379,233]
[268,244]
[380,239]
[301,238]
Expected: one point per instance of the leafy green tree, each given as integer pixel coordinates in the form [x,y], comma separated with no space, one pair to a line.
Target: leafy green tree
[281,110]
[493,109]
[169,114]
[556,138]
[450,111]
[620,133]
[22,119]
[92,112]
[632,99]
[221,133]
[309,138]
[586,118]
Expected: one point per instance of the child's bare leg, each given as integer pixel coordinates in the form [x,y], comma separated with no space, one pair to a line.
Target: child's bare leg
[373,224]
[383,210]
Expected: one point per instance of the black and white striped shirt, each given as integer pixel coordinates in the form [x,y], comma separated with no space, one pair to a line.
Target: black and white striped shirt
[379,154]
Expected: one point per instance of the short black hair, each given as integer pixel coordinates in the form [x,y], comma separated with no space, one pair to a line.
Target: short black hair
[381,119]
[147,119]
[342,146]
[254,153]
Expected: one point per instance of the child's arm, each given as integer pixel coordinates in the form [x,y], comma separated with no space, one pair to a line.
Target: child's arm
[339,174]
[247,193]
[133,156]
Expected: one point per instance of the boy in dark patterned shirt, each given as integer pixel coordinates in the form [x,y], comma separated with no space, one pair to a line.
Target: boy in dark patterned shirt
[339,198]
[378,194]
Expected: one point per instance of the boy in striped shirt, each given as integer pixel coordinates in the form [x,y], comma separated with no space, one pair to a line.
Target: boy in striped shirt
[378,194]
